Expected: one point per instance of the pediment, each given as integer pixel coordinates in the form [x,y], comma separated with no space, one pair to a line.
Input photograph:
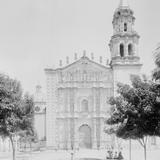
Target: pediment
[85,70]
[85,64]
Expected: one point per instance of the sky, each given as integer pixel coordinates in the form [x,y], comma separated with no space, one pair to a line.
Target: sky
[36,34]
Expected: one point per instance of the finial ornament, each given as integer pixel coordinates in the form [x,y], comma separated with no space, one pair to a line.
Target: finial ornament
[75,56]
[67,60]
[124,3]
[100,59]
[60,63]
[107,62]
[92,56]
[84,53]
[38,88]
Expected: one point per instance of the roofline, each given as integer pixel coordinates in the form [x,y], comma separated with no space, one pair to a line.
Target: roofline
[65,67]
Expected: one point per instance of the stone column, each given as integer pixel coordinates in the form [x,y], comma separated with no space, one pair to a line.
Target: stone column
[102,142]
[69,135]
[94,100]
[94,140]
[72,132]
[98,132]
[76,135]
[66,133]
[98,99]
[58,132]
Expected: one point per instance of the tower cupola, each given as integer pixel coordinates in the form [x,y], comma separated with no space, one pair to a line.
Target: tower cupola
[124,42]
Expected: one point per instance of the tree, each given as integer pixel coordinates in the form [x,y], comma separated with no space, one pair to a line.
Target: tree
[135,111]
[28,136]
[156,71]
[15,112]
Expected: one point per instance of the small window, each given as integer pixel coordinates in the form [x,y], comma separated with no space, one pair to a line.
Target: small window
[125,27]
[130,49]
[121,50]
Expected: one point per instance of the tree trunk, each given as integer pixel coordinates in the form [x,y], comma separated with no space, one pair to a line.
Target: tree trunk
[145,152]
[13,148]
[144,145]
[130,149]
[30,146]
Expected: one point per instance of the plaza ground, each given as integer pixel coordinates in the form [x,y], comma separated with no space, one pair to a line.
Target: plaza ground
[66,155]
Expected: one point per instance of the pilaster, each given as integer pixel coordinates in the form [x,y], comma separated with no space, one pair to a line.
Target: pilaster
[52,81]
[94,135]
[76,141]
[69,135]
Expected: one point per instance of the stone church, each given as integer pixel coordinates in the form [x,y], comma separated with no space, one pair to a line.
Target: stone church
[73,112]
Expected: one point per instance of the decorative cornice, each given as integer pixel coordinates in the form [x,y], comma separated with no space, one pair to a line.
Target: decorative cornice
[126,64]
[83,59]
[124,35]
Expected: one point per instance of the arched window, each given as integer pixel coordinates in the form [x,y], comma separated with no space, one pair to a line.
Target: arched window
[84,106]
[125,27]
[130,49]
[121,50]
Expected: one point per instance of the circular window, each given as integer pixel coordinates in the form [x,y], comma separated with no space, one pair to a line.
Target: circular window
[37,109]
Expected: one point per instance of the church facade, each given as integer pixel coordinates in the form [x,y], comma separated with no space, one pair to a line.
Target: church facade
[76,104]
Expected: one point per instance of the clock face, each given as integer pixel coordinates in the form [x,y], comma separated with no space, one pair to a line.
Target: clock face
[37,109]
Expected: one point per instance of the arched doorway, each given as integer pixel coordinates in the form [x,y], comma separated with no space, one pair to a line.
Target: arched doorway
[85,140]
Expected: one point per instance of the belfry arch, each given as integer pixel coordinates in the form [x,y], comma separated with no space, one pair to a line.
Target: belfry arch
[130,49]
[121,50]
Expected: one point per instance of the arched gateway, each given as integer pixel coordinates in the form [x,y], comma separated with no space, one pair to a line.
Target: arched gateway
[85,140]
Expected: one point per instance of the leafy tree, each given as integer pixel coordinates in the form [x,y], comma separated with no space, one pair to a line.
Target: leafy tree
[15,112]
[156,71]
[28,136]
[136,112]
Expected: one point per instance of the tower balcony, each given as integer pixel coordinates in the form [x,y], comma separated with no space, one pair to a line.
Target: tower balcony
[130,60]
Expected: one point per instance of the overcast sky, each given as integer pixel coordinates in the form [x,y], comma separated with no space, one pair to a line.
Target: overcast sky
[35,34]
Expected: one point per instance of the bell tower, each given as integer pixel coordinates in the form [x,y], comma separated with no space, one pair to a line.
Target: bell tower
[124,44]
